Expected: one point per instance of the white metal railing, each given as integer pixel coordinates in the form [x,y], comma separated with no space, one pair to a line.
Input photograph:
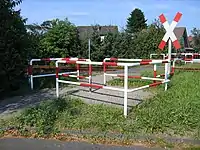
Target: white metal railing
[125,77]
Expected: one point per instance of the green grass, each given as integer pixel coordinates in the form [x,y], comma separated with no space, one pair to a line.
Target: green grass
[132,83]
[174,112]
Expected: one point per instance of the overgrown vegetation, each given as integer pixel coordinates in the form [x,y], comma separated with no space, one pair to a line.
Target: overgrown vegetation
[175,112]
[13,46]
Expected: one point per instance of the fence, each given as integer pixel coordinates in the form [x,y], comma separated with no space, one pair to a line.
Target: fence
[125,76]
[31,67]
[185,57]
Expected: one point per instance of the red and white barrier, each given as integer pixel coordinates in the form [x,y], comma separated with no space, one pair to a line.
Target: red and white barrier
[125,76]
[30,68]
[139,61]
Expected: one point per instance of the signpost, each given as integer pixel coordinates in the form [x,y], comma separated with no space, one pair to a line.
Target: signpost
[170,37]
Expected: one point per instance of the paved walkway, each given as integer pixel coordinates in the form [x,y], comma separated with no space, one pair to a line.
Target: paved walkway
[99,96]
[36,144]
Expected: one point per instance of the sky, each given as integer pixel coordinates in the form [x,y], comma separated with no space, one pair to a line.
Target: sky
[110,12]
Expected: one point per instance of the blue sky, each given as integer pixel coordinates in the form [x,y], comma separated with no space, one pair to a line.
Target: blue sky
[106,12]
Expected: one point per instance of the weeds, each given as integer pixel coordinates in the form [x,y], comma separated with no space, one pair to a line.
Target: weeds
[174,112]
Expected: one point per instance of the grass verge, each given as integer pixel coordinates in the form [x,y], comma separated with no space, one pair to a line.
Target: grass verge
[175,112]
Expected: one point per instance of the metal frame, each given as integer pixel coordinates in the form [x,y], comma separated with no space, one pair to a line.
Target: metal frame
[125,76]
[30,69]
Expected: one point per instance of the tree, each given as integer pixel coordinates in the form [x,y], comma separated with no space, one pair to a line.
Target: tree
[60,40]
[136,22]
[96,45]
[13,45]
[146,42]
[196,39]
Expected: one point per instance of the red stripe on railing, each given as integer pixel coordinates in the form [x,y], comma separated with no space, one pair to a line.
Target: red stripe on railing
[173,69]
[110,63]
[155,84]
[81,77]
[67,59]
[91,85]
[57,71]
[90,69]
[65,75]
[71,62]
[113,59]
[104,68]
[144,63]
[78,67]
[46,59]
[135,77]
[30,70]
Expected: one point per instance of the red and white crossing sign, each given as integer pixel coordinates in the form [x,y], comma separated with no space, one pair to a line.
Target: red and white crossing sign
[170,31]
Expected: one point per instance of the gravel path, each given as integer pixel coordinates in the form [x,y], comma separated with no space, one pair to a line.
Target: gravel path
[36,144]
[99,96]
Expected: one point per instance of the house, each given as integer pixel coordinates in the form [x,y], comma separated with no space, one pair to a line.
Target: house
[86,32]
[181,34]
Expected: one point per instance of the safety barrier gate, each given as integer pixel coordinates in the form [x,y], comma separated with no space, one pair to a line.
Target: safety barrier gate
[125,76]
[185,57]
[131,60]
[31,67]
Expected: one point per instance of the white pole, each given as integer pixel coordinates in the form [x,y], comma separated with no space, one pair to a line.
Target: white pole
[31,66]
[57,88]
[166,75]
[90,77]
[104,78]
[104,73]
[57,83]
[169,55]
[89,48]
[78,72]
[125,90]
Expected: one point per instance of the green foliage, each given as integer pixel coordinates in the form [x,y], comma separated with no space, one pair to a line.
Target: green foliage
[96,43]
[61,39]
[147,41]
[196,39]
[136,22]
[43,116]
[174,112]
[13,46]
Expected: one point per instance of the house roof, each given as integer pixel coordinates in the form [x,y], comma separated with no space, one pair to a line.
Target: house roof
[85,31]
[179,31]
